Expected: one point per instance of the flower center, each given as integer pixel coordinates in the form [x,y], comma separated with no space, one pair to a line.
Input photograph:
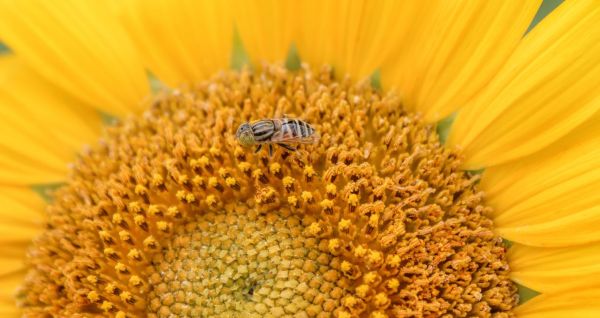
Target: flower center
[238,263]
[170,216]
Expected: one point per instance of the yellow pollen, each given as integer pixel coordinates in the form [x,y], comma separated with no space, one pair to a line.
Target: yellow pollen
[331,189]
[244,167]
[307,196]
[125,236]
[360,251]
[374,258]
[203,162]
[344,225]
[140,220]
[344,314]
[127,297]
[154,210]
[93,296]
[309,172]
[231,182]
[162,226]
[134,207]
[135,281]
[378,314]
[111,289]
[134,254]
[93,279]
[362,291]
[117,219]
[353,199]
[213,182]
[173,212]
[111,253]
[326,204]
[215,151]
[371,278]
[223,173]
[292,200]
[198,181]
[334,245]
[392,285]
[275,168]
[345,266]
[150,242]
[121,268]
[381,300]
[157,180]
[211,200]
[107,306]
[314,229]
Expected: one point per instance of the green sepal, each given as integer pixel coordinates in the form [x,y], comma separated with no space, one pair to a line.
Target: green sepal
[46,191]
[545,9]
[293,61]
[376,80]
[239,56]
[109,119]
[155,84]
[444,126]
[526,294]
[4,49]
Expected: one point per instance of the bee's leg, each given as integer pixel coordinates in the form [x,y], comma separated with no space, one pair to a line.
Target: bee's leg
[270,150]
[258,148]
[288,147]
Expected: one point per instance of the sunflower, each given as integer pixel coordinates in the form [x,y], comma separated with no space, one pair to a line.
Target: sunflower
[456,172]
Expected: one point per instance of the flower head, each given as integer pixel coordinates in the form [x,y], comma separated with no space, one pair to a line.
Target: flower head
[170,214]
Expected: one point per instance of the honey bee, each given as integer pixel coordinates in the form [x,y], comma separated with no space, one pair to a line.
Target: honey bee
[277,131]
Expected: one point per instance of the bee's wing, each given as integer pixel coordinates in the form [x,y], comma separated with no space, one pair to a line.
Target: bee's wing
[312,139]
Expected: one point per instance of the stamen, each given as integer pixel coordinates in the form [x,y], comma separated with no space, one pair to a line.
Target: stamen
[168,216]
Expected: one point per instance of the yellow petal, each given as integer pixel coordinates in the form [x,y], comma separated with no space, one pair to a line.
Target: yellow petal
[454,50]
[575,303]
[551,269]
[266,27]
[550,198]
[42,127]
[327,32]
[79,46]
[20,207]
[547,88]
[181,41]
[8,287]
[573,155]
[21,219]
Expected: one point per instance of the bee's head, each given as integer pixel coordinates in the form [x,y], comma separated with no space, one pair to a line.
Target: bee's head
[244,135]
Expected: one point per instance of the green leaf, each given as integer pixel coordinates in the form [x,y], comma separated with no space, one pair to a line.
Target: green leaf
[46,191]
[239,56]
[376,80]
[292,61]
[526,294]
[444,126]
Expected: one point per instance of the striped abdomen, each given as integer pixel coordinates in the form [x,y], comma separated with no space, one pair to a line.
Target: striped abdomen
[294,129]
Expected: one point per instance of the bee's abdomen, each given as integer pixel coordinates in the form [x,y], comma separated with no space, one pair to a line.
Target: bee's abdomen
[296,128]
[263,130]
